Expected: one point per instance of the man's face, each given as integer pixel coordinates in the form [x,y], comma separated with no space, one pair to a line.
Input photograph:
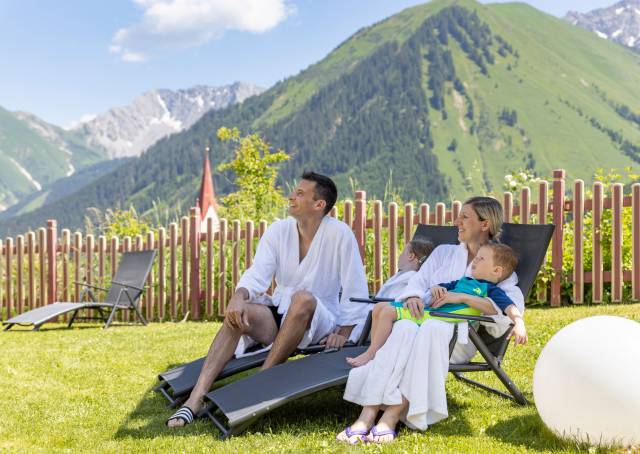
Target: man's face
[301,200]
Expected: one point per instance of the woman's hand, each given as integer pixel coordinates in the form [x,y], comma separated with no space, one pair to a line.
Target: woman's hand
[415,306]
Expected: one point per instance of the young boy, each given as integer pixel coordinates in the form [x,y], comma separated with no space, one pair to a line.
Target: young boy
[492,264]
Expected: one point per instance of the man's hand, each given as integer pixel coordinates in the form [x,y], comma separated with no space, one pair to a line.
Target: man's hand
[236,314]
[415,306]
[519,332]
[333,340]
[437,292]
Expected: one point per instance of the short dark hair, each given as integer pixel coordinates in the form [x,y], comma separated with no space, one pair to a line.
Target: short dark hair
[325,189]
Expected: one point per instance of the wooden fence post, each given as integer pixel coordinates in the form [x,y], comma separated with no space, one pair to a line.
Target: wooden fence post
[150,306]
[558,235]
[52,248]
[161,273]
[578,242]
[222,267]
[31,282]
[408,222]
[42,261]
[507,206]
[19,271]
[597,275]
[377,245]
[543,204]
[8,274]
[456,207]
[194,268]
[635,235]
[393,238]
[525,207]
[441,212]
[616,243]
[424,214]
[360,222]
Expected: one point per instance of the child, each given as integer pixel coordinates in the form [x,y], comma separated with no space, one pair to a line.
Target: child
[492,264]
[412,257]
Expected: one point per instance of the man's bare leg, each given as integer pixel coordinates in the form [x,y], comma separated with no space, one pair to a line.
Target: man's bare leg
[262,327]
[297,321]
[384,315]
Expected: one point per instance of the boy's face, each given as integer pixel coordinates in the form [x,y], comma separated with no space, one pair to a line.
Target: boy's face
[483,267]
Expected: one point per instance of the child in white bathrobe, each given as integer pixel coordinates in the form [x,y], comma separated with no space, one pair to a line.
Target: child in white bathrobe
[412,257]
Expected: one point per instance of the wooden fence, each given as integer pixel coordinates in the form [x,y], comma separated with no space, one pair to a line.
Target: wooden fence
[196,271]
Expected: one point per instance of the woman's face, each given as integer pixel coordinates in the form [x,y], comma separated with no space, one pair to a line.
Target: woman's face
[470,227]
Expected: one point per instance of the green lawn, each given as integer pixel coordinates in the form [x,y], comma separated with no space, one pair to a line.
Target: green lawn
[90,390]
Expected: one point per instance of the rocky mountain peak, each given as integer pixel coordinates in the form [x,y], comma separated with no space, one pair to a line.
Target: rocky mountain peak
[129,130]
[619,22]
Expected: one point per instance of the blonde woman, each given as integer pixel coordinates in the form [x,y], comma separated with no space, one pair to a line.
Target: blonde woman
[407,376]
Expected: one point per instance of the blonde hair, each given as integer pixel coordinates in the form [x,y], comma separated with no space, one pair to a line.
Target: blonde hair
[505,257]
[488,209]
[421,249]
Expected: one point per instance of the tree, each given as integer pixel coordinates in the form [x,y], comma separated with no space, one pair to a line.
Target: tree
[255,168]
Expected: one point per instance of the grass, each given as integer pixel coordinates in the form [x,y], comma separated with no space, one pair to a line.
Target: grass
[90,390]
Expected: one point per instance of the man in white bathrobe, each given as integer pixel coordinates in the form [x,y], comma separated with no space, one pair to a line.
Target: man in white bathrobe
[312,257]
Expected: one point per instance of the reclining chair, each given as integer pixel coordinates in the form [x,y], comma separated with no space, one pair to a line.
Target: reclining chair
[176,383]
[124,293]
[233,407]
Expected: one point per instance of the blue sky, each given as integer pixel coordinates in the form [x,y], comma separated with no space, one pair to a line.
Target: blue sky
[62,59]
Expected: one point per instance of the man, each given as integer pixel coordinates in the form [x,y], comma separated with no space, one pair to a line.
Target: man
[312,256]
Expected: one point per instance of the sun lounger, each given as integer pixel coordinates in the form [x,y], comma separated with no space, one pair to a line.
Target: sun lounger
[124,293]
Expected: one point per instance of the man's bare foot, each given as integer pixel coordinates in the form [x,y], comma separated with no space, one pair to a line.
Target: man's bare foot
[179,422]
[361,360]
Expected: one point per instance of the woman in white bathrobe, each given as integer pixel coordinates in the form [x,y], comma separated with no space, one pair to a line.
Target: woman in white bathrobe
[407,375]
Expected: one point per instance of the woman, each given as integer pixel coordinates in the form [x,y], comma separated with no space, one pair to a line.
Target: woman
[408,373]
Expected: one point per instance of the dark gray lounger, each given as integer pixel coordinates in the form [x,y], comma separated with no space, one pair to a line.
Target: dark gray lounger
[125,291]
[177,383]
[233,407]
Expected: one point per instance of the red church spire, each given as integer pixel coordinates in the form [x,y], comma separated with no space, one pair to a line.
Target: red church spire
[207,195]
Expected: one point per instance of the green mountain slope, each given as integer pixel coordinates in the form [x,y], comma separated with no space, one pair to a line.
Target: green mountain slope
[33,154]
[450,95]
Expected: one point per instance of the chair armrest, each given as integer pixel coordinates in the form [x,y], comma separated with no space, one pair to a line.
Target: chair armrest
[479,318]
[84,284]
[128,286]
[372,300]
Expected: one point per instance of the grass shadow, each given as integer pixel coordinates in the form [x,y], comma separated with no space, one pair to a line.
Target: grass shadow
[528,431]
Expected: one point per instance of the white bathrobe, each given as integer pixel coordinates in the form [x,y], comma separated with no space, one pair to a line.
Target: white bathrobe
[332,263]
[391,288]
[414,361]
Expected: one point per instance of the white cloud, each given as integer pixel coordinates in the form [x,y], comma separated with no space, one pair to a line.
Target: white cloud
[178,24]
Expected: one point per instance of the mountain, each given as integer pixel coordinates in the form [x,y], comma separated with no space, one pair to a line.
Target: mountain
[46,162]
[448,96]
[34,153]
[129,130]
[619,22]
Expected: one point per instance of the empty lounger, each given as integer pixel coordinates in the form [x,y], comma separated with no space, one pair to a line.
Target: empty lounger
[124,293]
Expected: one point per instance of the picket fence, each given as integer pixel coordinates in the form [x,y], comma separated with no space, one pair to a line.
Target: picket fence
[195,271]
